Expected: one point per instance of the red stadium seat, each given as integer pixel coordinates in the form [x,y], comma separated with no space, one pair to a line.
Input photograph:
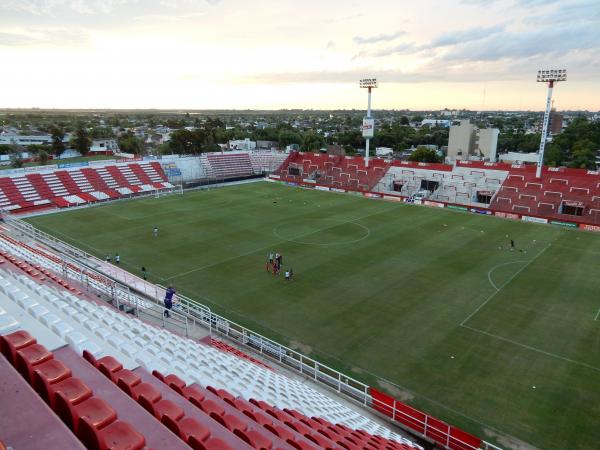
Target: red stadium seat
[212,407]
[10,343]
[73,390]
[95,410]
[186,428]
[175,383]
[47,373]
[233,423]
[108,366]
[146,390]
[192,392]
[116,436]
[126,377]
[30,356]
[166,407]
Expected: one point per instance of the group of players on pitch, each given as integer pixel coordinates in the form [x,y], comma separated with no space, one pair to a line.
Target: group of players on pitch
[274,263]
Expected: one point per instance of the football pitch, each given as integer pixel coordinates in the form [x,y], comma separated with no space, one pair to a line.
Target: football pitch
[429,305]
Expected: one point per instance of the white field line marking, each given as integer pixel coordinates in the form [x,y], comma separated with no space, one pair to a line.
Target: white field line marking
[597,315]
[503,285]
[497,267]
[529,347]
[197,269]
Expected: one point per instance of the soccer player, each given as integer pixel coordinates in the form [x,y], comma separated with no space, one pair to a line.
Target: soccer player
[512,245]
[287,275]
[271,258]
[170,292]
[155,231]
[108,259]
[144,273]
[117,259]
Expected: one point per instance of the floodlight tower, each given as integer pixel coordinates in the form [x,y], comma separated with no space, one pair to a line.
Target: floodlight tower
[550,77]
[368,127]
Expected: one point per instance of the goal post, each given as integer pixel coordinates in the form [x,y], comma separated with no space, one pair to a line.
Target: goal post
[160,192]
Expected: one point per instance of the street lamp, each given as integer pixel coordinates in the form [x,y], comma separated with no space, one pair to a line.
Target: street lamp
[547,76]
[368,127]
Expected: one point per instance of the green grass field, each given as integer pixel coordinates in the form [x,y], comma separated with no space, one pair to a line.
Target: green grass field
[429,305]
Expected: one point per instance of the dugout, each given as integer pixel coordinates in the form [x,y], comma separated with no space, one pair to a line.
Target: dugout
[429,185]
[294,171]
[397,186]
[484,197]
[572,208]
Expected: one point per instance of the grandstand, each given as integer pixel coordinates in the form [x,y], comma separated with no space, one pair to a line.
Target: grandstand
[570,195]
[560,194]
[117,381]
[71,187]
[341,172]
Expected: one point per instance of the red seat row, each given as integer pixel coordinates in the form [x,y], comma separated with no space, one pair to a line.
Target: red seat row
[90,418]
[296,429]
[190,430]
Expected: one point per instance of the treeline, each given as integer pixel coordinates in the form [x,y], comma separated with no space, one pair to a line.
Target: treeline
[577,146]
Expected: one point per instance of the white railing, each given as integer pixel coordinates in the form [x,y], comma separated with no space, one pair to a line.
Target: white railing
[187,312]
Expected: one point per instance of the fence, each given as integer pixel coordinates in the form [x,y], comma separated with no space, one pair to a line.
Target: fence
[187,313]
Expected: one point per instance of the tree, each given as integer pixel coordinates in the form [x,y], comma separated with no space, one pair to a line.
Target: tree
[82,141]
[102,133]
[128,143]
[288,137]
[404,120]
[58,135]
[42,157]
[6,149]
[583,153]
[425,154]
[16,160]
[312,141]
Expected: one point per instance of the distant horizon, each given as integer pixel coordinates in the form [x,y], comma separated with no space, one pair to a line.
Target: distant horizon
[241,110]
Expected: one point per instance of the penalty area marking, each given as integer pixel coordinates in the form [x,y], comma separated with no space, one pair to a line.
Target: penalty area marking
[497,267]
[529,347]
[487,300]
[597,315]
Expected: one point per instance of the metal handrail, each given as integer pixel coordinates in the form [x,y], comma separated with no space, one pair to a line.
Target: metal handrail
[197,314]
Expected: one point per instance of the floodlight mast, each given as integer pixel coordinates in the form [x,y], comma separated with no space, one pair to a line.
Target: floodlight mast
[550,77]
[368,126]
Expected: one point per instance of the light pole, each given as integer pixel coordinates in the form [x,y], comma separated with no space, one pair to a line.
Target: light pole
[368,127]
[550,77]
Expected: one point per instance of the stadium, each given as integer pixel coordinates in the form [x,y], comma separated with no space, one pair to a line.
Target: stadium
[465,320]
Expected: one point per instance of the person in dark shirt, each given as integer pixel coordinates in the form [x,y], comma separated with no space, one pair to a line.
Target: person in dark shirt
[169,300]
[144,273]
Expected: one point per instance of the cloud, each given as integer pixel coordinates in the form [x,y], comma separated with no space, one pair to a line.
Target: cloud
[574,11]
[52,7]
[169,17]
[88,7]
[44,37]
[330,45]
[527,44]
[378,38]
[405,47]
[462,36]
[443,40]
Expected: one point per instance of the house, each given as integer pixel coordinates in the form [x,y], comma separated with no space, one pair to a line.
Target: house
[245,144]
[266,145]
[104,146]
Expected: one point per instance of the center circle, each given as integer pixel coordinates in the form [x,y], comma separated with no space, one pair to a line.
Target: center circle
[321,232]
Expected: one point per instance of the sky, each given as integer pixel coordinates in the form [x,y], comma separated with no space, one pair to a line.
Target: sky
[286,54]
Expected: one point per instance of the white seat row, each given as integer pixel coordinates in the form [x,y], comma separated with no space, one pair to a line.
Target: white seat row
[103,330]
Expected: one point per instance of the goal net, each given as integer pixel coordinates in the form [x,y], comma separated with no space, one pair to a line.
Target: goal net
[160,192]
